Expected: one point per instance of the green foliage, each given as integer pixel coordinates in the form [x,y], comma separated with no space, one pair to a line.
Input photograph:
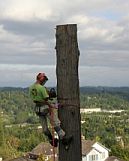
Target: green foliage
[109,129]
[104,101]
[8,152]
[17,105]
[112,130]
[18,140]
[41,158]
[18,122]
[122,153]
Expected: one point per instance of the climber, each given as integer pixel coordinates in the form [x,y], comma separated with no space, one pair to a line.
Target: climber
[44,107]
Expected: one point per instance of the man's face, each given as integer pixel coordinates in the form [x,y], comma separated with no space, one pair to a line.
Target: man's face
[43,79]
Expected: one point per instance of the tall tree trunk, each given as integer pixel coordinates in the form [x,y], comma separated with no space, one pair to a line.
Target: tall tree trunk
[68,89]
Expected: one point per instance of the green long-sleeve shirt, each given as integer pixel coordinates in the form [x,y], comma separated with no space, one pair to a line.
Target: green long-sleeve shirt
[38,92]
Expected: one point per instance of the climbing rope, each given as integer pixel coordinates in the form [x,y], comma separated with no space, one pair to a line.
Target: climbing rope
[53,135]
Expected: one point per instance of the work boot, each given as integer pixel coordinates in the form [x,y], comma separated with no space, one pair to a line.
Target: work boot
[54,143]
[66,140]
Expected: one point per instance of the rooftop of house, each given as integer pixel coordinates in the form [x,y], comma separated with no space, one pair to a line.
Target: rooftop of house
[44,148]
[87,146]
[113,158]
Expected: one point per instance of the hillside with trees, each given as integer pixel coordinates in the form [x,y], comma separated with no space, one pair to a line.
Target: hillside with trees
[19,124]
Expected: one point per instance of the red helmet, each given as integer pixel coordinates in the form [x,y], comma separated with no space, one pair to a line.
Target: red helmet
[40,75]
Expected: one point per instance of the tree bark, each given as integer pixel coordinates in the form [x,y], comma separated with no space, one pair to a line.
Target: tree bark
[67,53]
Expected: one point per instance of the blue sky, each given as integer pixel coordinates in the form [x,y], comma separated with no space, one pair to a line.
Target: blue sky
[27,40]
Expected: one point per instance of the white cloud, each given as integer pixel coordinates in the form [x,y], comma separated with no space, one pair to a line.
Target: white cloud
[54,10]
[20,75]
[106,76]
[27,36]
[26,10]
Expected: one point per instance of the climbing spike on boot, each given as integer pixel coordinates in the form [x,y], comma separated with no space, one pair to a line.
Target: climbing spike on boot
[55,143]
[66,141]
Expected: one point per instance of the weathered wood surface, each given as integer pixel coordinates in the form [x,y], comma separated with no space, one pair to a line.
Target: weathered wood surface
[68,89]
